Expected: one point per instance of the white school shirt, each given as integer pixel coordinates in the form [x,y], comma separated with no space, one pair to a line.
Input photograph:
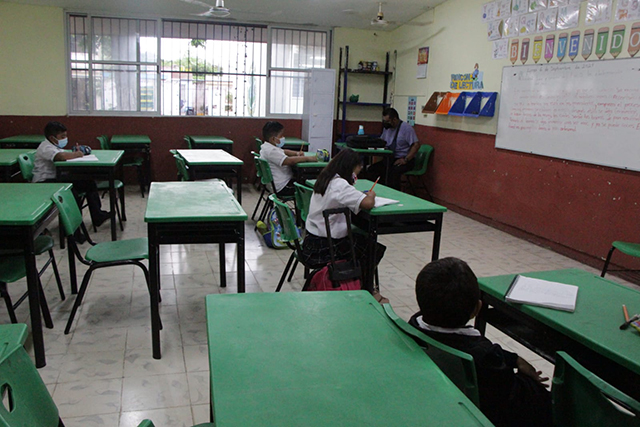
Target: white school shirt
[339,194]
[43,167]
[276,157]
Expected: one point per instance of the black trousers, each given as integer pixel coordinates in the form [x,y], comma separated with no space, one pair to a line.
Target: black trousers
[288,191]
[379,169]
[92,195]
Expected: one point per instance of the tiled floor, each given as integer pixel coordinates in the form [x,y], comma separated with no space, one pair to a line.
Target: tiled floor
[103,374]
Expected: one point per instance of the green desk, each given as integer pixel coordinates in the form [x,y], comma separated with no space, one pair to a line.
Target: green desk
[322,359]
[214,164]
[26,211]
[9,162]
[591,334]
[371,153]
[107,168]
[211,142]
[135,145]
[305,171]
[191,212]
[291,143]
[22,141]
[411,215]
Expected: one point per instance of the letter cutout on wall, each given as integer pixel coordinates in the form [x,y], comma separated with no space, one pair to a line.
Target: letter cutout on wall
[513,53]
[562,46]
[617,37]
[574,44]
[634,39]
[524,51]
[587,44]
[601,42]
[537,49]
[548,47]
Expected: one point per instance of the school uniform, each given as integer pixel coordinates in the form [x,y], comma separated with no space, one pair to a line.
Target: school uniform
[282,174]
[507,398]
[315,248]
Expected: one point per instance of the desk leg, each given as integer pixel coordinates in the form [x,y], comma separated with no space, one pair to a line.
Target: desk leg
[241,287]
[112,206]
[239,184]
[34,302]
[371,256]
[437,234]
[73,277]
[223,265]
[154,273]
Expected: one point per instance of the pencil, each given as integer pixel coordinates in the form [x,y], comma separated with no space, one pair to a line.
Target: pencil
[626,313]
[374,184]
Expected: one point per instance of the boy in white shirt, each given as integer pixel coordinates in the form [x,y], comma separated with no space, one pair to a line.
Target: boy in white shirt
[52,150]
[280,160]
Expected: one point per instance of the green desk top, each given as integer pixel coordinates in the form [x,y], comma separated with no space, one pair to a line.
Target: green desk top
[294,141]
[408,204]
[23,139]
[105,158]
[371,151]
[597,318]
[322,359]
[311,165]
[24,204]
[202,139]
[130,139]
[9,156]
[209,157]
[192,201]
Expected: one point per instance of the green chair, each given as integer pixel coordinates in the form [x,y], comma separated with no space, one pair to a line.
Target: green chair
[104,185]
[303,201]
[582,399]
[104,142]
[189,142]
[269,187]
[183,168]
[456,365]
[27,401]
[627,248]
[262,188]
[290,235]
[420,169]
[25,161]
[101,255]
[136,162]
[258,143]
[13,335]
[12,269]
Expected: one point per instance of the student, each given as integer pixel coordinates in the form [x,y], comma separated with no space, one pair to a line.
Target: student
[280,160]
[334,189]
[52,150]
[403,141]
[448,296]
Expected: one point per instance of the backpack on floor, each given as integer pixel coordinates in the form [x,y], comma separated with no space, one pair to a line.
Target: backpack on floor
[338,275]
[273,236]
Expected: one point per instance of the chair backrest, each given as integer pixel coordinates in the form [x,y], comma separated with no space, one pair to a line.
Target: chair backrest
[25,161]
[69,211]
[189,141]
[183,169]
[422,159]
[104,142]
[582,399]
[265,171]
[258,143]
[287,220]
[456,365]
[28,400]
[303,199]
[256,156]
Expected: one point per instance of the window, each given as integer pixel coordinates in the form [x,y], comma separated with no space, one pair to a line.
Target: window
[173,67]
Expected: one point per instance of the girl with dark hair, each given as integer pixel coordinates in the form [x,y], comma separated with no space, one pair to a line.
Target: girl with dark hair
[334,189]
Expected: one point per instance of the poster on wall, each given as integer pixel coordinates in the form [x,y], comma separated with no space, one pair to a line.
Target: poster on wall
[598,12]
[503,9]
[468,81]
[494,30]
[556,3]
[510,27]
[536,5]
[568,17]
[519,7]
[627,9]
[489,11]
[500,49]
[547,20]
[527,24]
[411,110]
[423,61]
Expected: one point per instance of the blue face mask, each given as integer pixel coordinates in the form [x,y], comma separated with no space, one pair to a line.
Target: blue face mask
[63,142]
[281,143]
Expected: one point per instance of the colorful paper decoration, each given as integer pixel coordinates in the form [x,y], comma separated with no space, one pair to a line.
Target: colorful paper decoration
[519,7]
[562,46]
[513,52]
[574,44]
[627,9]
[617,38]
[548,47]
[527,24]
[587,44]
[598,12]
[601,41]
[568,17]
[503,9]
[634,39]
[524,51]
[547,20]
[536,5]
[494,30]
[537,49]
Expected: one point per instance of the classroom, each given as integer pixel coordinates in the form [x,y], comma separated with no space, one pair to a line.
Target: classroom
[531,112]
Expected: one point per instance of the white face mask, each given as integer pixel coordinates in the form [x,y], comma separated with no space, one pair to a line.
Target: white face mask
[280,144]
[63,142]
[354,176]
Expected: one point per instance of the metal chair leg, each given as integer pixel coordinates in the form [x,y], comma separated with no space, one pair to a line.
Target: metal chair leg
[56,274]
[7,300]
[284,273]
[607,261]
[46,314]
[223,266]
[79,297]
[293,270]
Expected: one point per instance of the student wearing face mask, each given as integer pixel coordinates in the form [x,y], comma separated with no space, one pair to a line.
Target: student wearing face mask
[280,160]
[403,141]
[51,150]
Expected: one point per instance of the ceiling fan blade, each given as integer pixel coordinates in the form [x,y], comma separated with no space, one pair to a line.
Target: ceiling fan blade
[198,3]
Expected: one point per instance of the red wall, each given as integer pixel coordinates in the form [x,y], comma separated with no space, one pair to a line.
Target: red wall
[576,208]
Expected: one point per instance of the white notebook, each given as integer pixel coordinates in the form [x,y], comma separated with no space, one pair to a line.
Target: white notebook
[383,201]
[526,290]
[87,158]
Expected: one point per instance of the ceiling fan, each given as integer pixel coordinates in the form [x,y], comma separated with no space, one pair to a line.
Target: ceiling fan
[380,21]
[217,11]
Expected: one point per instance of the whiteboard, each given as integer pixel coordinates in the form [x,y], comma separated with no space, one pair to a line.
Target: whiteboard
[584,111]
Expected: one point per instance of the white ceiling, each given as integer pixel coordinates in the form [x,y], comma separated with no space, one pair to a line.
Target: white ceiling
[322,13]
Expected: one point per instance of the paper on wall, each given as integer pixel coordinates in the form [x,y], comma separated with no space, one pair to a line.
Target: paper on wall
[568,17]
[598,12]
[547,20]
[500,49]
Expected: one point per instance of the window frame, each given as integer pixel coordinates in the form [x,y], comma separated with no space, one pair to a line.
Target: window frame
[158,64]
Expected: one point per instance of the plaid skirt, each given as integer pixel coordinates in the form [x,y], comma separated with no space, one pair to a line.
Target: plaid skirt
[315,250]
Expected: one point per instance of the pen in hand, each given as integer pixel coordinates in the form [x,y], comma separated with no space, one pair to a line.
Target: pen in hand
[374,184]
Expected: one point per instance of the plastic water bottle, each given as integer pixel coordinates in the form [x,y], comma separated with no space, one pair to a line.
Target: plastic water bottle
[361,130]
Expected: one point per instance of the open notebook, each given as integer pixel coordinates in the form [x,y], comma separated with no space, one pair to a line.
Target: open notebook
[526,290]
[383,201]
[87,158]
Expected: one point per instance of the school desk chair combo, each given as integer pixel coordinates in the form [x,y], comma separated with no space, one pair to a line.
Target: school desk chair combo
[138,149]
[419,170]
[214,163]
